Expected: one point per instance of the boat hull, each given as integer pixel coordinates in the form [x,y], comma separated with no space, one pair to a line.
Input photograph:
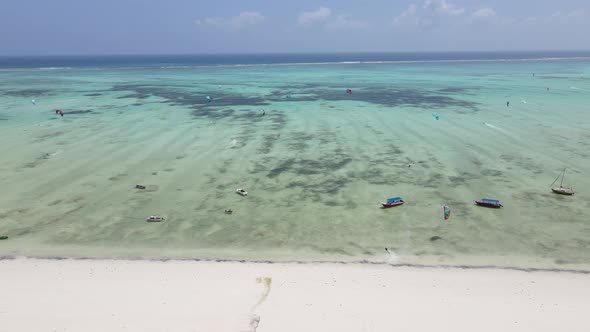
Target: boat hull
[390,205]
[563,191]
[489,205]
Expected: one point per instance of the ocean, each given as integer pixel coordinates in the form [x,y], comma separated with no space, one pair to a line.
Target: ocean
[316,161]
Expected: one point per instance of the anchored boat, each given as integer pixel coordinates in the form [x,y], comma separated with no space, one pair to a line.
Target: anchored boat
[488,202]
[562,190]
[242,191]
[392,202]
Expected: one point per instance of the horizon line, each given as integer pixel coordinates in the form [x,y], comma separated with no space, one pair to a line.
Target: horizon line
[289,53]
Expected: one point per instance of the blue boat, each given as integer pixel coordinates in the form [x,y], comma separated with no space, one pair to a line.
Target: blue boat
[391,202]
[488,202]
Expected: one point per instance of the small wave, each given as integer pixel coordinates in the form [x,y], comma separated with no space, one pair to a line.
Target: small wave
[176,67]
[55,153]
[55,68]
[233,143]
[494,127]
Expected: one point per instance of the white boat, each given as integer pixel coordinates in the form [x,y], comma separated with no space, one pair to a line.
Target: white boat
[155,218]
[562,190]
[242,191]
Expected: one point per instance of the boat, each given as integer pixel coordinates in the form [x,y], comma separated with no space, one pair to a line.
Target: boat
[562,190]
[242,191]
[488,202]
[392,202]
[155,219]
[139,186]
[3,237]
[229,211]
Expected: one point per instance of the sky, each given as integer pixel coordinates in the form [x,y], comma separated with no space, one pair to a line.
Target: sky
[97,27]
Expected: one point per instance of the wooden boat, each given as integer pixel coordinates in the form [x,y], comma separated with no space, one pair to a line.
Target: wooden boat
[392,202]
[562,190]
[154,219]
[242,191]
[488,202]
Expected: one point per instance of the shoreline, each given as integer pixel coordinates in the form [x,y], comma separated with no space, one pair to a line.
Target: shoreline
[114,295]
[297,262]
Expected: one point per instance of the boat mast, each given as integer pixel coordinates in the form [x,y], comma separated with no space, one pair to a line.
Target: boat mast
[562,178]
[557,178]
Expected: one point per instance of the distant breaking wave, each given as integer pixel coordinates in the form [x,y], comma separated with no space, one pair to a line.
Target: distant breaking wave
[156,65]
[369,62]
[55,68]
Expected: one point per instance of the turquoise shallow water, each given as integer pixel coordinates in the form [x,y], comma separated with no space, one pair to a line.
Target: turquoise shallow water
[316,165]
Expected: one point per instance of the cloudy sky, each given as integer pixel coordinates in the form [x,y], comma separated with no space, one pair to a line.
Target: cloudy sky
[39,27]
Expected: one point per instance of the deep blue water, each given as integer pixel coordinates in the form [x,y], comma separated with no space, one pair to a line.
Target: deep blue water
[116,61]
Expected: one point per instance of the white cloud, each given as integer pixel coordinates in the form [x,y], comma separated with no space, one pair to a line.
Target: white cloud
[483,13]
[324,18]
[413,18]
[309,18]
[233,23]
[409,17]
[563,17]
[406,17]
[427,16]
[344,22]
[572,17]
[441,6]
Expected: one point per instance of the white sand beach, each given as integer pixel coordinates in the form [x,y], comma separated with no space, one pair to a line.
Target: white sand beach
[124,295]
